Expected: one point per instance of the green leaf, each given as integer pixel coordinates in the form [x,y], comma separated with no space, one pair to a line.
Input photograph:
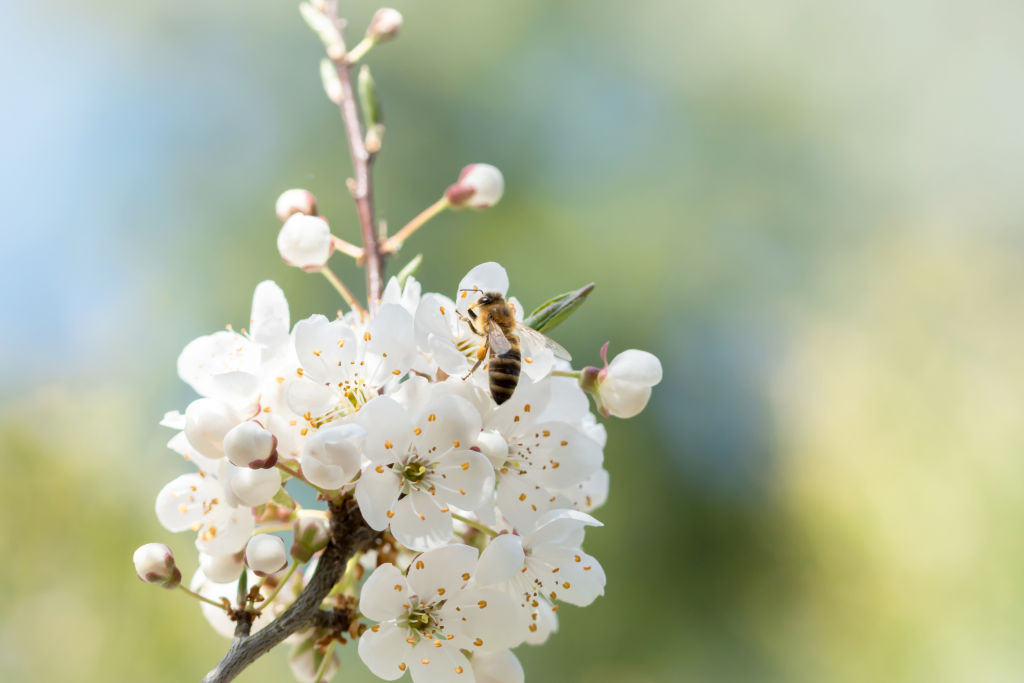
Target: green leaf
[409,270]
[551,313]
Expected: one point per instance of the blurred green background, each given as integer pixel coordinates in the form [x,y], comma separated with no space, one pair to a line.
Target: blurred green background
[811,210]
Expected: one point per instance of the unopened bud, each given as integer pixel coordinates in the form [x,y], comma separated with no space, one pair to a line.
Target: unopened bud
[331,83]
[623,387]
[305,242]
[384,25]
[479,186]
[221,568]
[372,115]
[265,554]
[250,445]
[207,421]
[311,536]
[154,563]
[295,201]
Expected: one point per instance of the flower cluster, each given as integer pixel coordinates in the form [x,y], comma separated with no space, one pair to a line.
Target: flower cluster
[421,471]
[496,498]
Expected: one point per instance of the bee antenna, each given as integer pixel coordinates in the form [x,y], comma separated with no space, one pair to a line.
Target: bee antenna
[475,289]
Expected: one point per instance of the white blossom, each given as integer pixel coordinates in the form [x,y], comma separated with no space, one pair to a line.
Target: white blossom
[428,617]
[624,386]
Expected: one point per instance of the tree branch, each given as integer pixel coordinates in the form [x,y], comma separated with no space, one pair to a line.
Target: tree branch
[362,161]
[349,534]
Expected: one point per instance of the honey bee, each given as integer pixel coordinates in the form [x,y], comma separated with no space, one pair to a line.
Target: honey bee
[493,318]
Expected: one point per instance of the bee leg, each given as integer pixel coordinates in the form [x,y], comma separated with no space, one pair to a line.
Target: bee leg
[481,360]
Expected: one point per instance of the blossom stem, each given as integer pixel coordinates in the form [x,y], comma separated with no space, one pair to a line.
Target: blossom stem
[395,242]
[359,51]
[476,525]
[284,581]
[298,475]
[347,248]
[322,669]
[197,596]
[575,374]
[271,528]
[346,294]
[362,186]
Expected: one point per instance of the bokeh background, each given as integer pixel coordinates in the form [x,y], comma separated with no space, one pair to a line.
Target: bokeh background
[811,210]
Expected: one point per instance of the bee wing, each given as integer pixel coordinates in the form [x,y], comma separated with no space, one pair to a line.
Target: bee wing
[542,340]
[496,339]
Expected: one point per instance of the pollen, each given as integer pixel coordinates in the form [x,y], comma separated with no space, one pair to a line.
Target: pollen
[516,419]
[419,564]
[464,465]
[390,514]
[577,558]
[437,643]
[422,517]
[528,359]
[444,510]
[554,595]
[587,569]
[379,469]
[457,443]
[280,380]
[458,669]
[432,418]
[441,591]
[462,491]
[298,371]
[465,576]
[555,570]
[398,587]
[304,431]
[425,660]
[388,444]
[522,496]
[533,627]
[401,667]
[317,352]
[417,431]
[526,408]
[375,628]
[396,372]
[366,336]
[291,423]
[565,443]
[478,642]
[546,432]
[482,604]
[410,640]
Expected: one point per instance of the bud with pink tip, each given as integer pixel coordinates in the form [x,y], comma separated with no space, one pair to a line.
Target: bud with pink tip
[623,387]
[295,201]
[479,186]
[250,445]
[311,536]
[154,563]
[265,554]
[305,242]
[384,25]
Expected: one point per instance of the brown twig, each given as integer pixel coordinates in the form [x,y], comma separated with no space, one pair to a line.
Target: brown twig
[349,534]
[362,162]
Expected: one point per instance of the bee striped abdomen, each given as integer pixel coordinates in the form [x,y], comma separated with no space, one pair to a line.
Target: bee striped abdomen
[503,372]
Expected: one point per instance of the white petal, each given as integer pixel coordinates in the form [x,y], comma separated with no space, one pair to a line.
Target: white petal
[568,402]
[579,579]
[491,618]
[444,664]
[390,345]
[441,573]
[522,501]
[225,351]
[538,361]
[591,493]
[266,554]
[419,524]
[623,399]
[326,349]
[207,421]
[384,594]
[446,422]
[388,429]
[464,478]
[636,367]
[306,396]
[179,505]
[545,619]
[376,492]
[501,560]
[269,322]
[435,316]
[557,455]
[221,568]
[518,414]
[557,527]
[487,277]
[384,651]
[253,487]
[497,667]
[179,444]
[174,419]
[226,530]
[331,456]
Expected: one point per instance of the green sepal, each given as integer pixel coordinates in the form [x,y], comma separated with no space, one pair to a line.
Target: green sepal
[551,313]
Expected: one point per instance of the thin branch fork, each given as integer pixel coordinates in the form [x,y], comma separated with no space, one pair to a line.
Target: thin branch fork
[349,535]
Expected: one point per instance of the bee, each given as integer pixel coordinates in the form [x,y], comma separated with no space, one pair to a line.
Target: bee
[493,318]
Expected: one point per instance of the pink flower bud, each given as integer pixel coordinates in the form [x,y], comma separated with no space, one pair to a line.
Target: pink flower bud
[479,186]
[305,242]
[384,25]
[295,201]
[265,554]
[250,445]
[624,385]
[154,563]
[221,568]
